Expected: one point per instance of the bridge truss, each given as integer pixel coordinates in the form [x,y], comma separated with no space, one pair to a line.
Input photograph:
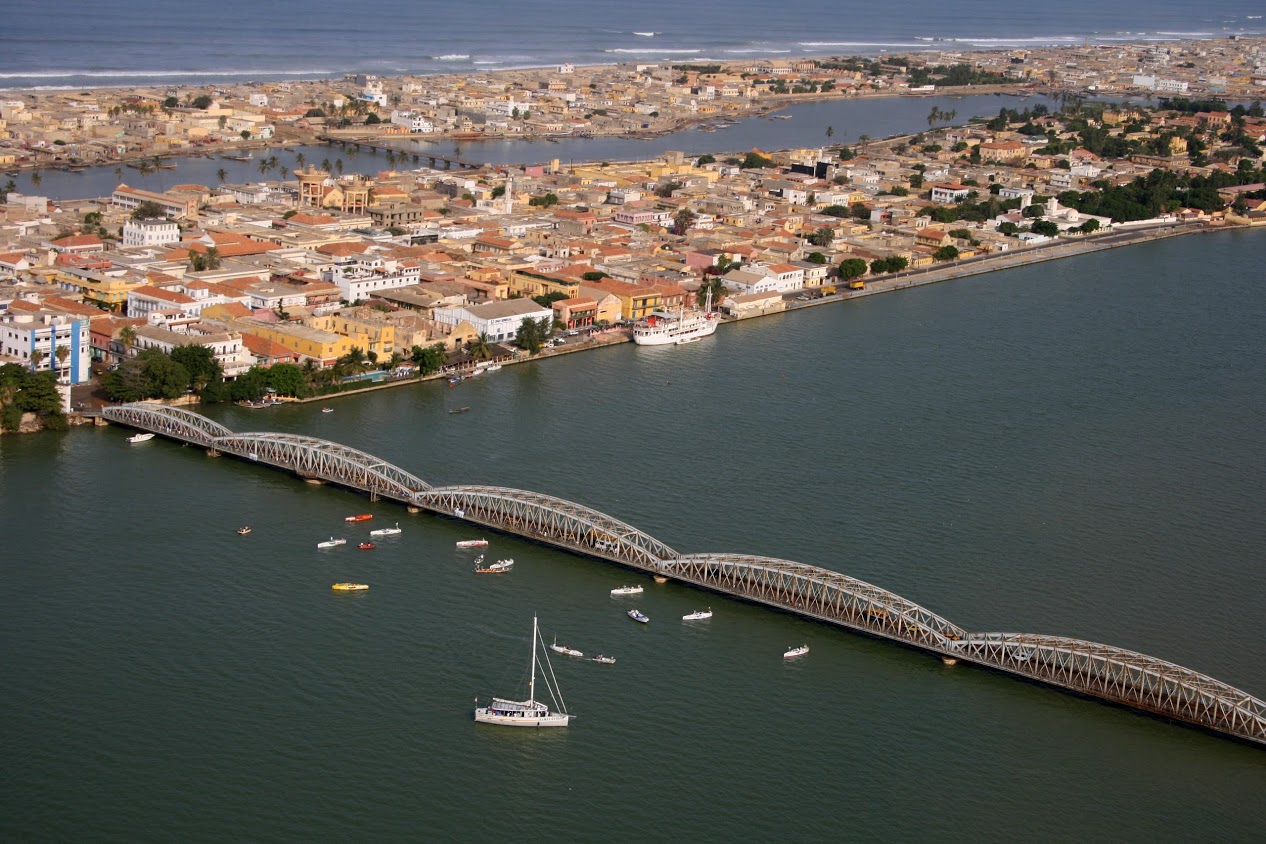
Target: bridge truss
[1102,671]
[550,519]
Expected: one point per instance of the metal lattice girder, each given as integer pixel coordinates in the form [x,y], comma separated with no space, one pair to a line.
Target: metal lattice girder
[163,419]
[551,519]
[821,592]
[1124,676]
[323,459]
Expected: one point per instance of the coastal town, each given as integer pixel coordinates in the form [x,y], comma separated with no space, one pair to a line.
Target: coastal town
[314,281]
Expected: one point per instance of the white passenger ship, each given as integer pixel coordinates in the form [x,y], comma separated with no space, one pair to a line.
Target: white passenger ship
[662,329]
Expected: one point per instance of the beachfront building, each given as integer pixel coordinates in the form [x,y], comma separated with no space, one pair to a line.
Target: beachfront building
[499,320]
[226,346]
[33,339]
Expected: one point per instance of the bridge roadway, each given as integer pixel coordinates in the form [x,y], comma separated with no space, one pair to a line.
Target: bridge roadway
[1090,669]
[450,161]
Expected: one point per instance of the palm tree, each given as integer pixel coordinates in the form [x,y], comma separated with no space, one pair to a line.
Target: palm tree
[300,160]
[221,174]
[62,353]
[284,171]
[127,336]
[863,140]
[36,178]
[118,173]
[830,131]
[338,165]
[325,165]
[37,357]
[480,348]
[212,260]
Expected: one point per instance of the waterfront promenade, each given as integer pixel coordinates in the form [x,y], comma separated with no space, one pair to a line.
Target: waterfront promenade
[1105,672]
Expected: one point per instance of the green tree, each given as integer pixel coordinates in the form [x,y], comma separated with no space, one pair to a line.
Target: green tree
[430,359]
[148,210]
[594,275]
[545,201]
[1045,227]
[39,394]
[683,220]
[822,237]
[705,159]
[164,377]
[851,268]
[546,300]
[815,258]
[666,189]
[287,379]
[201,364]
[203,102]
[945,253]
[712,291]
[481,347]
[755,161]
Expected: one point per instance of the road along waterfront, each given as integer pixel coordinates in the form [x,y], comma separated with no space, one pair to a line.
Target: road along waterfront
[1070,447]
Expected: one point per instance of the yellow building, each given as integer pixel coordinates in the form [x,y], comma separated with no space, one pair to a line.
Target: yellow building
[370,335]
[325,347]
[636,301]
[529,284]
[109,292]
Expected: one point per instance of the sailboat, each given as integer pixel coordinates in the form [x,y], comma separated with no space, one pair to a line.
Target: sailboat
[530,712]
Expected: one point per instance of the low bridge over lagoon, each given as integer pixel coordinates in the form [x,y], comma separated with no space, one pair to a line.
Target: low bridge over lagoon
[449,161]
[1090,669]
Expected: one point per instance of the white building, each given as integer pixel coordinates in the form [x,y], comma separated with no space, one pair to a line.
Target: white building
[358,278]
[499,320]
[413,121]
[143,301]
[22,334]
[150,232]
[259,100]
[226,346]
[745,281]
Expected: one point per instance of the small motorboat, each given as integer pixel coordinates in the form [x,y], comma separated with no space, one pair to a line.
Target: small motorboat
[479,561]
[605,660]
[502,565]
[391,531]
[637,615]
[327,410]
[795,652]
[140,438]
[495,568]
[363,517]
[472,543]
[698,616]
[367,546]
[350,587]
[627,590]
[495,367]
[563,649]
[331,543]
[242,531]
[460,409]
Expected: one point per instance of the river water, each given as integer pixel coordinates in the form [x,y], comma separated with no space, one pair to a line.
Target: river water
[1072,448]
[806,127]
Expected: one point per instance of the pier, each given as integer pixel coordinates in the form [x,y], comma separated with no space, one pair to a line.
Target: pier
[1104,672]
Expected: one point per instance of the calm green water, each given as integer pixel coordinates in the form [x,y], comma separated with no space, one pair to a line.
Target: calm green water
[1075,448]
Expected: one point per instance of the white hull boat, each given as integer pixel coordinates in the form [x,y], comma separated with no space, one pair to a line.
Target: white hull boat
[564,650]
[637,615]
[627,590]
[530,712]
[795,652]
[702,615]
[664,329]
[331,543]
[605,660]
[472,543]
[391,531]
[140,438]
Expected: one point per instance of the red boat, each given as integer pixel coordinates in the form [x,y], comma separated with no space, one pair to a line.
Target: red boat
[366,546]
[363,517]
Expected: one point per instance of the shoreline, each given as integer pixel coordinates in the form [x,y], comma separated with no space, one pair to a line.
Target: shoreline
[906,280]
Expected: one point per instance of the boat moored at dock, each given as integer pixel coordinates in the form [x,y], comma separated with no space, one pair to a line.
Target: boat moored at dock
[664,329]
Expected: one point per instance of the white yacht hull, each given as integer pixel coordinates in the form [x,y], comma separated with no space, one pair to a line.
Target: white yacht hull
[671,331]
[555,719]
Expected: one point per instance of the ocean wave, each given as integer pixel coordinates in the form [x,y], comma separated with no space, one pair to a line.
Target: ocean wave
[645,34]
[905,44]
[96,74]
[452,57]
[756,50]
[653,51]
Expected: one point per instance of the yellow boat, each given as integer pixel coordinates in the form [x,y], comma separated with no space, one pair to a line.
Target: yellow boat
[350,587]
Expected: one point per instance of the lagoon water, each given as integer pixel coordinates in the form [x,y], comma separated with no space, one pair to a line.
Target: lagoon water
[1072,448]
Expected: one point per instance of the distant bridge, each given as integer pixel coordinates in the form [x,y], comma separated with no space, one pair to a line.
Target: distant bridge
[1109,673]
[449,161]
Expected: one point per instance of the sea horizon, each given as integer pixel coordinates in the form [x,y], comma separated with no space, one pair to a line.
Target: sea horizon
[131,45]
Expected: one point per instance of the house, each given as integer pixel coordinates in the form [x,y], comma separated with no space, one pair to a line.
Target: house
[500,321]
[747,305]
[949,193]
[28,335]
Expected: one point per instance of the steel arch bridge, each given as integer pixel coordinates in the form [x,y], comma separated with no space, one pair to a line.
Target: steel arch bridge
[173,422]
[1101,671]
[549,519]
[818,592]
[1121,676]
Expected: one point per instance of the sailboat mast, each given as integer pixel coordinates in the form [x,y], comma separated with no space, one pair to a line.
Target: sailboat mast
[532,682]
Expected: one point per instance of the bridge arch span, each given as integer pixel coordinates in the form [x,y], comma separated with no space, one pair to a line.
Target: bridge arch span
[324,460]
[820,592]
[1122,676]
[164,419]
[550,519]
